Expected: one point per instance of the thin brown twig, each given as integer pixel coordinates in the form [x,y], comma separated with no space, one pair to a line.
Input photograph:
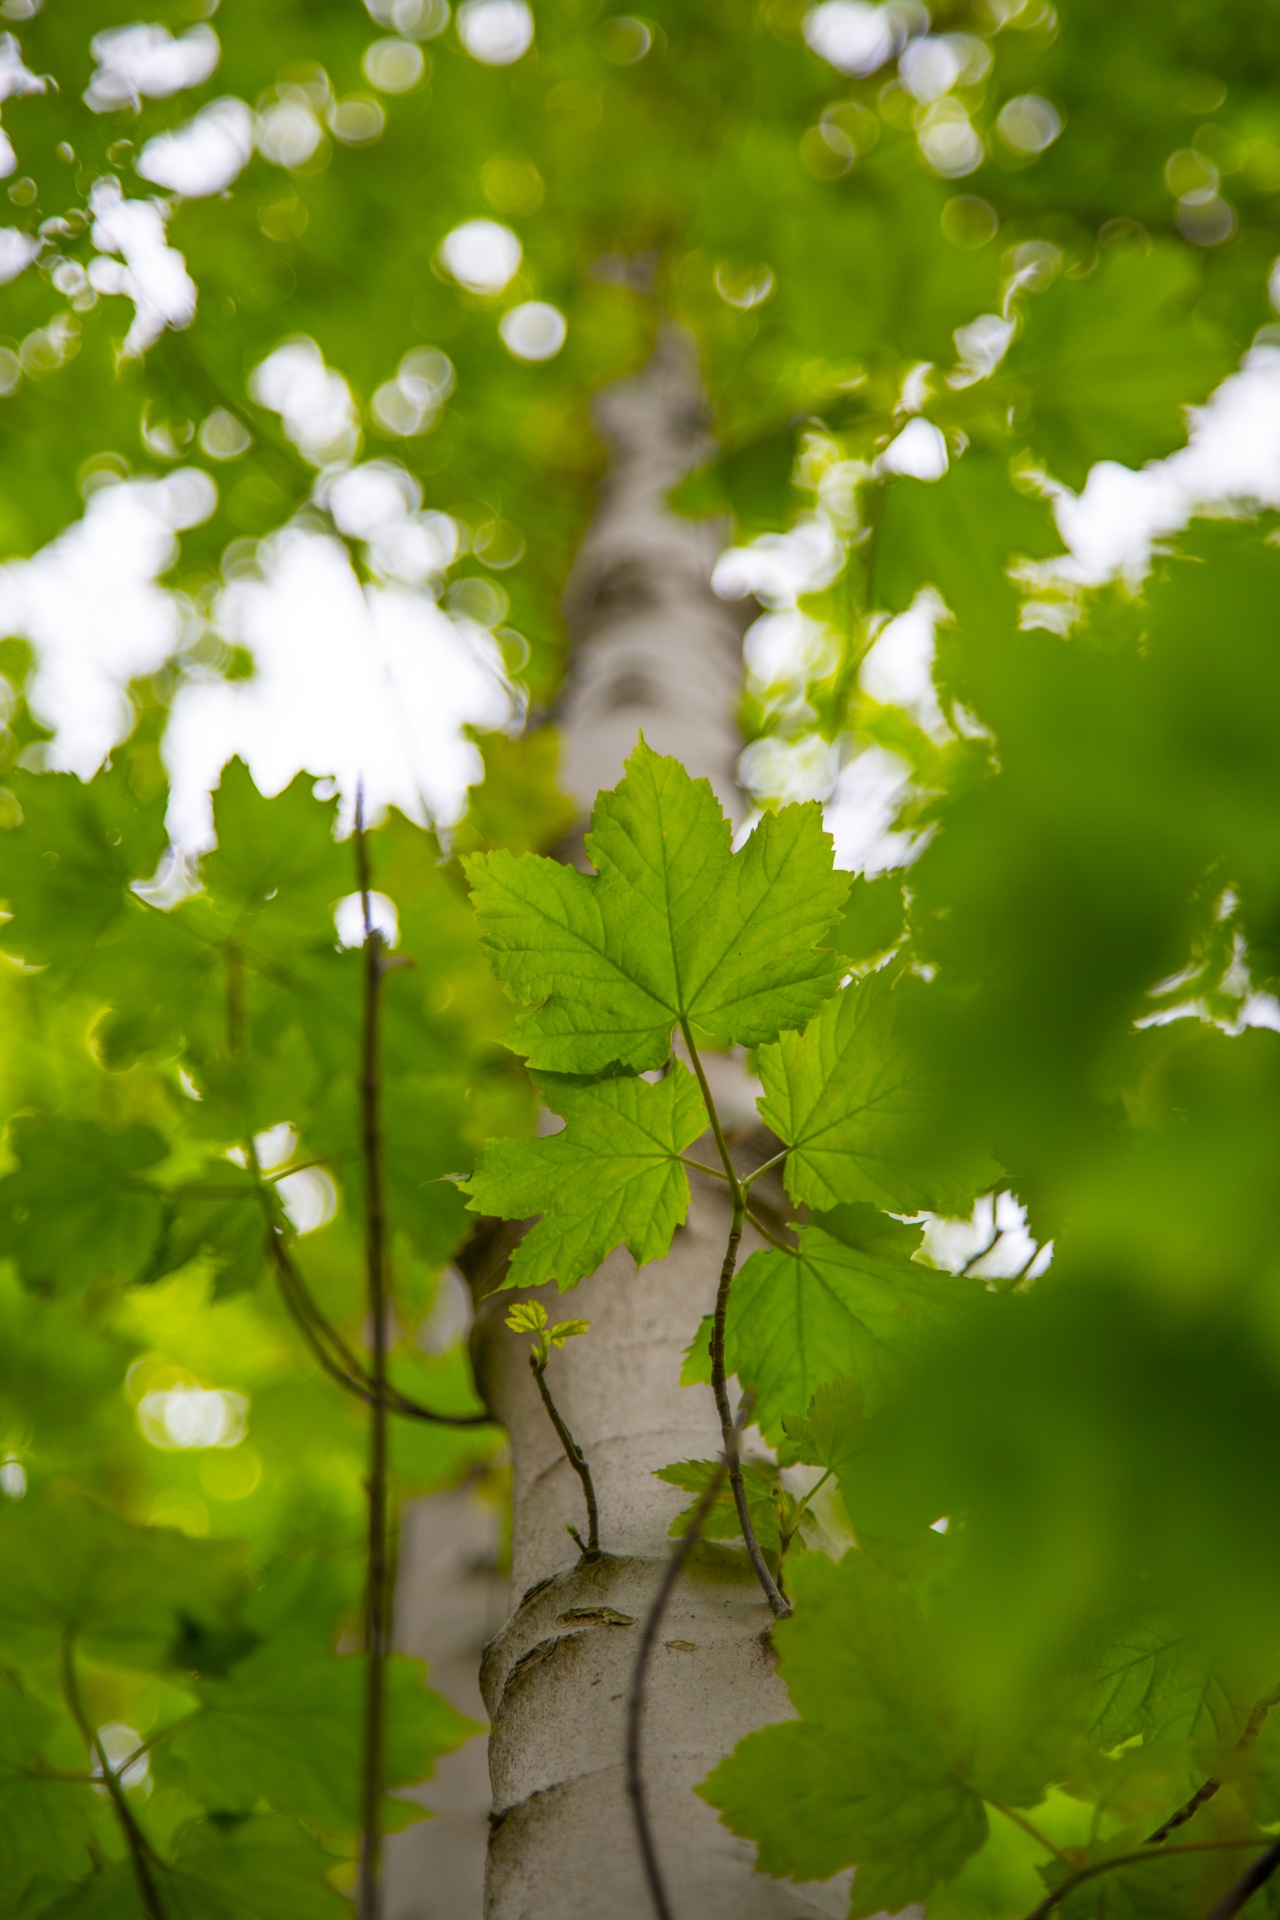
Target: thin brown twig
[981,1254]
[1206,1791]
[378,1595]
[577,1460]
[335,1356]
[1091,1872]
[635,1699]
[778,1603]
[140,1855]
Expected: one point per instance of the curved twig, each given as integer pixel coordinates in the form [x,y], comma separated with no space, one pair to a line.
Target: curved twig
[1091,1872]
[778,1602]
[779,1605]
[639,1677]
[336,1358]
[1206,1791]
[577,1460]
[378,1597]
[140,1854]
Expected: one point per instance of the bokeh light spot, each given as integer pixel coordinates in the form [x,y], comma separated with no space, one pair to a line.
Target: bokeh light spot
[481,255]
[393,66]
[1029,123]
[495,32]
[535,330]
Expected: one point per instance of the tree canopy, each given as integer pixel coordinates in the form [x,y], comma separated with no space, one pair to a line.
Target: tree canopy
[983,302]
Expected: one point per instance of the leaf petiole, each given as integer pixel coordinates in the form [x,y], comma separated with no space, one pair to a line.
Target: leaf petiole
[1020,1820]
[141,1856]
[715,1173]
[764,1167]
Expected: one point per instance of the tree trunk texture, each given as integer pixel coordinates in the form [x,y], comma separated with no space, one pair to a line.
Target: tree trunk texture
[654,652]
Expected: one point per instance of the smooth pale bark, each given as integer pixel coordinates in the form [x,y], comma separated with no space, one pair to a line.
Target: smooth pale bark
[654,651]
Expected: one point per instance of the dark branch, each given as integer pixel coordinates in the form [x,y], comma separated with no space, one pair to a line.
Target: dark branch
[1147,1857]
[639,1677]
[577,1460]
[378,1591]
[1247,1885]
[1211,1786]
[140,1855]
[780,1605]
[335,1356]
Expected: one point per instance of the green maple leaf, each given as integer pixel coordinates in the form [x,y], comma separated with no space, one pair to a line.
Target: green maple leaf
[674,930]
[959,534]
[721,1521]
[75,1210]
[277,870]
[44,1822]
[254,1869]
[856,1108]
[216,1214]
[873,918]
[869,1776]
[285,1727]
[797,1320]
[612,1178]
[1110,361]
[66,868]
[72,1567]
[1153,1680]
[830,1434]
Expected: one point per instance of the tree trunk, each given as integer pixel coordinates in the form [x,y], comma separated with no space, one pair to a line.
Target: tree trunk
[654,651]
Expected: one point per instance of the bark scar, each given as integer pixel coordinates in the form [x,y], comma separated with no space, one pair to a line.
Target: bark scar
[601,1616]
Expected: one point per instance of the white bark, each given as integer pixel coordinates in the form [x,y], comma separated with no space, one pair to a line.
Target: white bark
[654,651]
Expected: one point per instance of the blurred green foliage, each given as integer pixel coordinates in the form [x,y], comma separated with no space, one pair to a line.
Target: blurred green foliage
[1045,1612]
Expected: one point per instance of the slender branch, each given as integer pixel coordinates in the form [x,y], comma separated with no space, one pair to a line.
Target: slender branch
[140,1855]
[378,1595]
[235,997]
[639,1676]
[1202,1795]
[982,1253]
[1247,1885]
[335,1356]
[577,1460]
[1091,1872]
[1016,1279]
[779,1604]
[1020,1820]
[318,1160]
[156,1739]
[1206,1792]
[261,962]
